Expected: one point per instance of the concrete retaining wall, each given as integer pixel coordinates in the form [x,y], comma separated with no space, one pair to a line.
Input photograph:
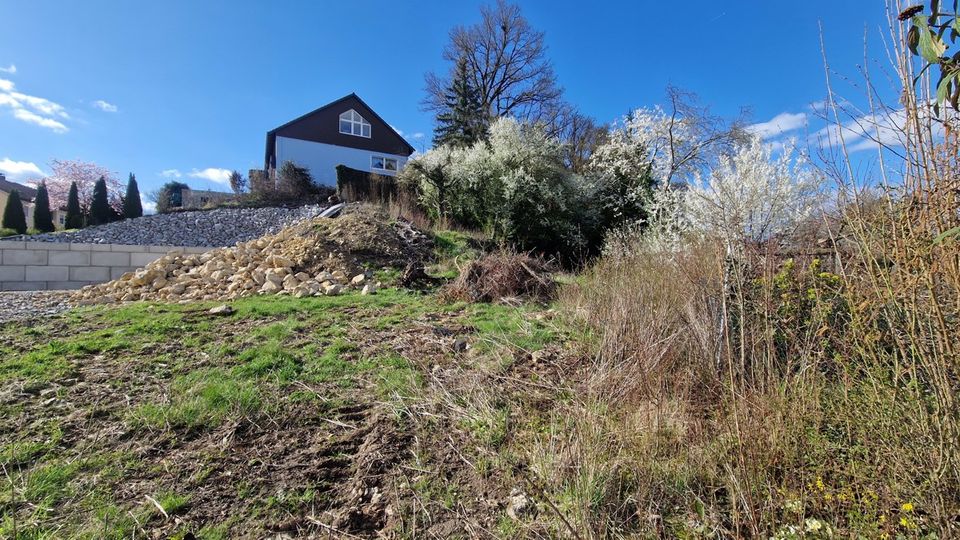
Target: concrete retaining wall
[35,266]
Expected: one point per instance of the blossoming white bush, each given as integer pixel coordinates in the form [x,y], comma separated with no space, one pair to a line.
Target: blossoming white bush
[748,196]
[626,167]
[640,143]
[514,185]
[752,195]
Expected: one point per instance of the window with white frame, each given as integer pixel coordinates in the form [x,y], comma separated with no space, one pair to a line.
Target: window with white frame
[381,163]
[352,123]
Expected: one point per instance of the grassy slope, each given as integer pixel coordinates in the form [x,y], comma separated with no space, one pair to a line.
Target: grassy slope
[272,419]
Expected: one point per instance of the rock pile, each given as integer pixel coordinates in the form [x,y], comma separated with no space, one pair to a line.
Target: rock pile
[321,256]
[203,228]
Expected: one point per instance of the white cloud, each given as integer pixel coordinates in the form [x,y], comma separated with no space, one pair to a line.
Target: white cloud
[219,176]
[417,135]
[42,121]
[19,169]
[869,131]
[149,207]
[41,105]
[32,109]
[171,173]
[11,70]
[779,124]
[104,106]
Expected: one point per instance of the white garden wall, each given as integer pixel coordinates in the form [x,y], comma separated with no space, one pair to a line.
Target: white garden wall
[36,266]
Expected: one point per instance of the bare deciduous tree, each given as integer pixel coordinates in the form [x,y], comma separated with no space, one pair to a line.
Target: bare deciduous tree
[704,135]
[580,134]
[506,60]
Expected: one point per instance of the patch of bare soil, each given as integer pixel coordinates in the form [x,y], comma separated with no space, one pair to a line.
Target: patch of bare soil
[323,460]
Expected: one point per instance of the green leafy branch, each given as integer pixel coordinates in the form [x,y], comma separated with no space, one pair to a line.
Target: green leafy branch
[927,38]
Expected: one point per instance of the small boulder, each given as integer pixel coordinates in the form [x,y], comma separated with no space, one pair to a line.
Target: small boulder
[279,261]
[221,310]
[358,279]
[332,290]
[369,288]
[519,504]
[270,287]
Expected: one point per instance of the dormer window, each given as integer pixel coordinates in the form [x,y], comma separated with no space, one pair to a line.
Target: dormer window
[352,123]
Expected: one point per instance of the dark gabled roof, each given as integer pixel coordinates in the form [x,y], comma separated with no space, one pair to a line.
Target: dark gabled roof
[27,193]
[400,147]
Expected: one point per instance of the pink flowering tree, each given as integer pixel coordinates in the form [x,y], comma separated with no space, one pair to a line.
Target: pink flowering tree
[85,174]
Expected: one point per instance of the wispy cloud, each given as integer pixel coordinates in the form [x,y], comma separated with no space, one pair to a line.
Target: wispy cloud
[171,173]
[870,131]
[19,170]
[33,109]
[42,121]
[105,106]
[11,70]
[778,125]
[218,176]
[41,105]
[417,135]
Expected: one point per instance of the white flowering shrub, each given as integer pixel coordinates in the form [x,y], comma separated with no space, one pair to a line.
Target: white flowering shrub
[514,185]
[752,195]
[431,176]
[640,143]
[646,150]
[748,196]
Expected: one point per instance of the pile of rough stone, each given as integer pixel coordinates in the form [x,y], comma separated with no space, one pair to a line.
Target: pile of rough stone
[322,256]
[203,228]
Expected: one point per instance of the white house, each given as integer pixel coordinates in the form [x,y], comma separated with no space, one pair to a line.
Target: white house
[344,132]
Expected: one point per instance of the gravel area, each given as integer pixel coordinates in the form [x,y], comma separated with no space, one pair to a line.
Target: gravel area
[17,305]
[205,228]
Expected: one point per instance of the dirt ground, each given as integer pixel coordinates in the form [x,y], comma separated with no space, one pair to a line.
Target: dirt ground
[348,417]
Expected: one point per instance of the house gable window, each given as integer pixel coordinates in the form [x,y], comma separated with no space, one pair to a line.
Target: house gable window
[351,123]
[380,163]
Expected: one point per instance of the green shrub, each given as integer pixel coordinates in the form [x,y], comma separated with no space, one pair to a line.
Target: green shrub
[42,217]
[132,207]
[13,215]
[74,219]
[100,211]
[514,186]
[296,182]
[7,232]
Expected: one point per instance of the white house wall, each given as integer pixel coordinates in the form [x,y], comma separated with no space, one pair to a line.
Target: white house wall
[322,159]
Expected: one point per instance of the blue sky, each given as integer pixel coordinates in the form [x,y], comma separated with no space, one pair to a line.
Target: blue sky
[192,86]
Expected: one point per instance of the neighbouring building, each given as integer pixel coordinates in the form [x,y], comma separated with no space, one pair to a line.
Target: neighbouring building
[27,195]
[344,132]
[199,198]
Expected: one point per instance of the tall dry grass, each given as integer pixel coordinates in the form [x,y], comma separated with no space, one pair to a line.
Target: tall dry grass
[787,393]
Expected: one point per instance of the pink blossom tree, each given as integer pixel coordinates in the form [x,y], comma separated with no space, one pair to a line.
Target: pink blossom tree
[85,174]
